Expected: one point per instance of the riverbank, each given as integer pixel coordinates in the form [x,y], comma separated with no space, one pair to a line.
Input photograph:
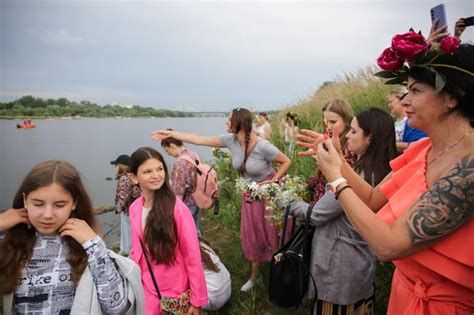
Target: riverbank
[191,115]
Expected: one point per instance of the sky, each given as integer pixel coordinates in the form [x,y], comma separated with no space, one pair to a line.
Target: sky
[198,55]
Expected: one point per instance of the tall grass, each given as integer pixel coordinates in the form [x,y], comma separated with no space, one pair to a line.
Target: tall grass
[362,90]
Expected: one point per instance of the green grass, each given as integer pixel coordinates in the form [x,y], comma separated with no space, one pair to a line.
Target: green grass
[223,233]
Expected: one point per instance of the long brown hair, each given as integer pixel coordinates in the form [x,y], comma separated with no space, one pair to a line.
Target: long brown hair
[122,170]
[160,233]
[344,109]
[207,262]
[241,119]
[17,246]
[374,162]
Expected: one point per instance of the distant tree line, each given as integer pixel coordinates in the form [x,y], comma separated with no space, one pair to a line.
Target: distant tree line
[29,106]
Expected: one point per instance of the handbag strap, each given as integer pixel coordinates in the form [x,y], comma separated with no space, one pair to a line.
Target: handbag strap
[305,241]
[306,227]
[285,222]
[149,268]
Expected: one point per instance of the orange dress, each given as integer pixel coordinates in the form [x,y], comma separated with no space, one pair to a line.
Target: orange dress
[438,279]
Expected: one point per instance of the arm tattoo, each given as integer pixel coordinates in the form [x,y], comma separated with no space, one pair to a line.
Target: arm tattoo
[446,206]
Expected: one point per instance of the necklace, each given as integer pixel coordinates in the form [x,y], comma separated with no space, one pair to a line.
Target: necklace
[450,147]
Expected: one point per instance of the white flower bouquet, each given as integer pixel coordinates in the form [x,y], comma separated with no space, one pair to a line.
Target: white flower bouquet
[291,188]
[251,189]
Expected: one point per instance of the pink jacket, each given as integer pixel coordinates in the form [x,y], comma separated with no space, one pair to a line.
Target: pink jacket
[187,271]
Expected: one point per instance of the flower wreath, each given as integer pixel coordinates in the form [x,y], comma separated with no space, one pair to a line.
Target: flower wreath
[413,50]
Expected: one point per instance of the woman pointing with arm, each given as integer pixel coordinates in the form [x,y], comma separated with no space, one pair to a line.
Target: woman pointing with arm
[252,157]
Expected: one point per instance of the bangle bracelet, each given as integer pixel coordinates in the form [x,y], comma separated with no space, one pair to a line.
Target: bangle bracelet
[339,191]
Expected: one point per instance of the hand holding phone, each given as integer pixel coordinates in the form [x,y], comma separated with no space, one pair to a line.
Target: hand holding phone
[469,21]
[439,12]
[461,25]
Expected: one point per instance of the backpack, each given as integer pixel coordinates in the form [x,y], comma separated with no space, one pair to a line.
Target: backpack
[289,267]
[207,188]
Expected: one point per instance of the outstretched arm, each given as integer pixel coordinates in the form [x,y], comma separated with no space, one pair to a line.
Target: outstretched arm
[187,137]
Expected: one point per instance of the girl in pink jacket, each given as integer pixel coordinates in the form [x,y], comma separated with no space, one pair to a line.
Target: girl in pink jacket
[163,225]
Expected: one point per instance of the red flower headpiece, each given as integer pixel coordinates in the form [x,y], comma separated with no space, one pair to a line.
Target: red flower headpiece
[413,50]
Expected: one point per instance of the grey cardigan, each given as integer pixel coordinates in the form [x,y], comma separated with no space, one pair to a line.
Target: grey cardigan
[341,262]
[86,301]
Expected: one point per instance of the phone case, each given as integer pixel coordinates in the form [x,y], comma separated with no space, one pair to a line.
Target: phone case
[439,12]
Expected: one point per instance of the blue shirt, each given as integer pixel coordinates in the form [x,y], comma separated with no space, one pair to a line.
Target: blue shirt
[412,134]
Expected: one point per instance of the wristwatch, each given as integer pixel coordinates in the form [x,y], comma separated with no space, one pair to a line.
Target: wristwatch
[333,185]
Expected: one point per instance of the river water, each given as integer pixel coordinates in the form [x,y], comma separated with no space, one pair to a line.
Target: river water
[90,145]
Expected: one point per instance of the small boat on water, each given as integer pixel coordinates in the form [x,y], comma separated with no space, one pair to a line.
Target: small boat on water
[26,124]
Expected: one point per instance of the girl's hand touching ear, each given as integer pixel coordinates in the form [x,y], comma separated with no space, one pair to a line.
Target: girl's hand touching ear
[12,217]
[78,230]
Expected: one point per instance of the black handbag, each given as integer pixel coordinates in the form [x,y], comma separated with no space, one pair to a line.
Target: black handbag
[289,267]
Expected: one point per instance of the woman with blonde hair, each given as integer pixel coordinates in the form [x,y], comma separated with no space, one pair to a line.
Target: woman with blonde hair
[404,134]
[336,112]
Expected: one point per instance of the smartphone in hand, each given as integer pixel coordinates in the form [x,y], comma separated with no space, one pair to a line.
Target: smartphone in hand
[439,12]
[469,21]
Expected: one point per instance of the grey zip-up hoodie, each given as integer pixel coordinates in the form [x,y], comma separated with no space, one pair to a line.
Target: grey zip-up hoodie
[86,301]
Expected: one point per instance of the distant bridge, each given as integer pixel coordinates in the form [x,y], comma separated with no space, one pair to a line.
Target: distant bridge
[209,114]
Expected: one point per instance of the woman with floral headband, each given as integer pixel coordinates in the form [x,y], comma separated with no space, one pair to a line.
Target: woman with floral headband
[424,207]
[252,157]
